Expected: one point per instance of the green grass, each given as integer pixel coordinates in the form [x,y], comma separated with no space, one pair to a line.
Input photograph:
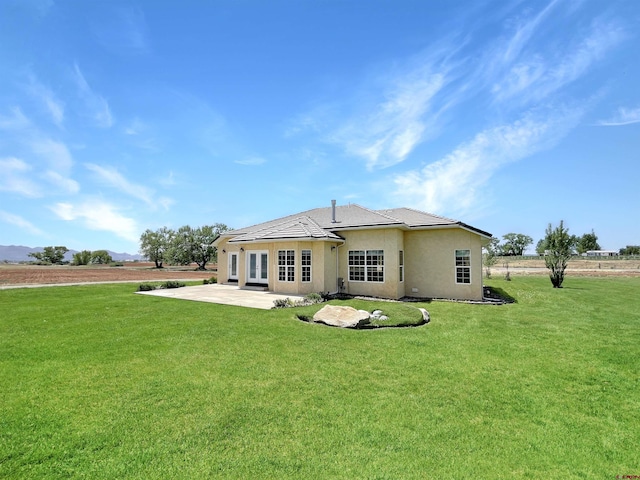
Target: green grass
[96,382]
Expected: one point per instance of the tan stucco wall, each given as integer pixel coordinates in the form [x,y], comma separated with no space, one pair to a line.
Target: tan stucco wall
[389,240]
[430,263]
[323,265]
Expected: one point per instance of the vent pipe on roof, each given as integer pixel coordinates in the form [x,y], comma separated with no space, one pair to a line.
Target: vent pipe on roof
[333,211]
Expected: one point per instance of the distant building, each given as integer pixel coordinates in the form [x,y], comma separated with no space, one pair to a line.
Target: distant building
[600,253]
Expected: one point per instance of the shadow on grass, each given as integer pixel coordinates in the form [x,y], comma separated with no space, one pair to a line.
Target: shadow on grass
[498,294]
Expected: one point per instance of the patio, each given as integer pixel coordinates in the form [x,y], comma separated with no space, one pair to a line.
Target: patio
[222,294]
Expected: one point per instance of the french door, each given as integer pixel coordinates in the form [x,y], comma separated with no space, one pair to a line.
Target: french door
[258,267]
[233,266]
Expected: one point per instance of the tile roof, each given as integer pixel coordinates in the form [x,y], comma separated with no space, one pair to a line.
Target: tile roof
[318,223]
[300,227]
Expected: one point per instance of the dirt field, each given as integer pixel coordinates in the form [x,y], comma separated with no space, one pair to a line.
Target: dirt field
[577,267]
[11,275]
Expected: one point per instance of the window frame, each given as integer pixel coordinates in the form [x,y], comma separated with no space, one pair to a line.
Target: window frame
[306,270]
[462,266]
[400,266]
[366,266]
[287,265]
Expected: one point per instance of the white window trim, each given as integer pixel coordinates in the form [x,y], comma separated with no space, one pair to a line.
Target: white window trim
[287,266]
[366,267]
[401,266]
[310,266]
[456,267]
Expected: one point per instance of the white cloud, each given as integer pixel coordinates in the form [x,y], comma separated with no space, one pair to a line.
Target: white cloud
[115,179]
[20,222]
[15,178]
[459,177]
[67,184]
[56,153]
[16,120]
[385,134]
[251,161]
[95,103]
[624,116]
[99,215]
[54,106]
[526,77]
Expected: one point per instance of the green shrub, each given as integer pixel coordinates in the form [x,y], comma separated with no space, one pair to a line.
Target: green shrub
[172,284]
[145,287]
[313,298]
[208,281]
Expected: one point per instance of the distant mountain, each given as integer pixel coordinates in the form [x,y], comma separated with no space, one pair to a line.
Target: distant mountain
[19,253]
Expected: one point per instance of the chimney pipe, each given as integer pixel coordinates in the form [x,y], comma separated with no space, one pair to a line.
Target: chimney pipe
[333,211]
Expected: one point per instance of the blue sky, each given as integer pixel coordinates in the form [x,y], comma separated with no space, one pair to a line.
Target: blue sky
[120,116]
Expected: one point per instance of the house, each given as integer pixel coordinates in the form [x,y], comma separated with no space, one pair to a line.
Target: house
[350,249]
[600,253]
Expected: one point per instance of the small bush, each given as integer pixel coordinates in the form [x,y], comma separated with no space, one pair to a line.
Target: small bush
[172,284]
[313,298]
[145,287]
[208,281]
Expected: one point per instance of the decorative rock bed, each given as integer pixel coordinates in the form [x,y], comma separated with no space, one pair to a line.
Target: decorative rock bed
[349,317]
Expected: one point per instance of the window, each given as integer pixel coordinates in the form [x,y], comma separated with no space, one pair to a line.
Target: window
[375,266]
[366,265]
[305,263]
[401,266]
[356,265]
[463,266]
[286,265]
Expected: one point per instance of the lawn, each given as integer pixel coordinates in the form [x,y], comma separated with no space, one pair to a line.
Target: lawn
[96,382]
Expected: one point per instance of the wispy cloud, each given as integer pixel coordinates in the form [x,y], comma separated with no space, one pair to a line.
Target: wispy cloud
[64,183]
[20,222]
[386,133]
[251,161]
[459,178]
[16,178]
[116,180]
[53,105]
[98,215]
[532,76]
[56,153]
[59,163]
[123,30]
[16,120]
[95,103]
[624,116]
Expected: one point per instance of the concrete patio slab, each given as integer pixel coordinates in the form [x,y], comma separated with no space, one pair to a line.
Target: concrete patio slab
[222,294]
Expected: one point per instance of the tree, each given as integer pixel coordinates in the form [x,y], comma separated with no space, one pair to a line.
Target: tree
[195,245]
[515,243]
[630,250]
[588,241]
[50,254]
[559,245]
[489,256]
[82,258]
[155,245]
[541,247]
[101,257]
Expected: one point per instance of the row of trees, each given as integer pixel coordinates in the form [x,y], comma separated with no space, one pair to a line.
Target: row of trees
[183,246]
[514,244]
[55,256]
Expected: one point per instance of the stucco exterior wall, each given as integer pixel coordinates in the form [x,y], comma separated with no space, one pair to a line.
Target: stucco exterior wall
[323,265]
[429,263]
[430,269]
[389,240]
